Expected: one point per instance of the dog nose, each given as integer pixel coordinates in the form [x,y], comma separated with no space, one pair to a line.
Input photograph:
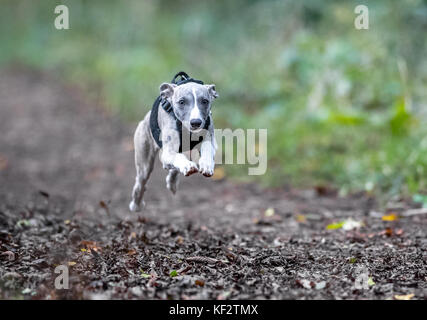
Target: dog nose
[196,123]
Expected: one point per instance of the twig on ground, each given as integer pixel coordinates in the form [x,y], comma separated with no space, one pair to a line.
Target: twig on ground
[204,260]
[413,212]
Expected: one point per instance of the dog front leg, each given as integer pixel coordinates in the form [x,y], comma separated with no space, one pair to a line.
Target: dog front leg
[170,156]
[179,161]
[172,180]
[207,158]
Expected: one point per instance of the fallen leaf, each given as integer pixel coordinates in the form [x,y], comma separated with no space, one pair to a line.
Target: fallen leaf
[131,252]
[224,295]
[200,283]
[230,256]
[388,232]
[321,190]
[71,263]
[351,224]
[347,225]
[404,297]
[334,226]
[90,245]
[26,291]
[173,273]
[104,206]
[390,217]
[23,222]
[9,254]
[269,212]
[301,218]
[219,173]
[371,282]
[307,284]
[179,240]
[320,285]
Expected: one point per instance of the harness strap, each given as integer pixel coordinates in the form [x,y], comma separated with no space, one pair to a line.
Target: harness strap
[154,124]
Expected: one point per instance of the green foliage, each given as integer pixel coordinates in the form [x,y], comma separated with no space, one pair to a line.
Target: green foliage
[420,199]
[353,260]
[342,106]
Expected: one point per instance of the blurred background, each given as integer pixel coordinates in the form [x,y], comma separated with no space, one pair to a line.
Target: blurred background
[344,108]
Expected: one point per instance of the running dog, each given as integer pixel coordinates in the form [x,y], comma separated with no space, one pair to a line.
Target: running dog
[180,120]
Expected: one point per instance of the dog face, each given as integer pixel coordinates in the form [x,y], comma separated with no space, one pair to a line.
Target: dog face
[191,102]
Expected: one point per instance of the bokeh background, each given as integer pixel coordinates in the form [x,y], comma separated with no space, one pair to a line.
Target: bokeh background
[344,108]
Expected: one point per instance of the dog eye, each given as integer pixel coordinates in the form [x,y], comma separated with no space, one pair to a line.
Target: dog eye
[181,101]
[205,101]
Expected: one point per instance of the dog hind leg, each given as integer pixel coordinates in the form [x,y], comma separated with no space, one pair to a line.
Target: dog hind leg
[145,155]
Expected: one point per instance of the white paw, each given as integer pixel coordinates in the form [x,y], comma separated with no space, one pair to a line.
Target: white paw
[136,208]
[188,167]
[206,167]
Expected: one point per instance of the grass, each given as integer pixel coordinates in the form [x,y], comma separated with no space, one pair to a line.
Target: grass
[342,107]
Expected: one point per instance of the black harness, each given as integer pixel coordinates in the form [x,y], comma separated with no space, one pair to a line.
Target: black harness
[165,104]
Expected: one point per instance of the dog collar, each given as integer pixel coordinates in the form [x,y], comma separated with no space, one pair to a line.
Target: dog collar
[166,105]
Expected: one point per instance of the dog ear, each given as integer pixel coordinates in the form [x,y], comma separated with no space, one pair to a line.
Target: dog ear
[166,89]
[212,91]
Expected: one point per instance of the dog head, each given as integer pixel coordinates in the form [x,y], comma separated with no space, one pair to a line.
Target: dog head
[191,102]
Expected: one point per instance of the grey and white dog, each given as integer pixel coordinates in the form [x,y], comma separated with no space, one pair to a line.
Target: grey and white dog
[191,103]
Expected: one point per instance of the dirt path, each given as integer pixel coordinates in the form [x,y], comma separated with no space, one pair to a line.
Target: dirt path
[66,172]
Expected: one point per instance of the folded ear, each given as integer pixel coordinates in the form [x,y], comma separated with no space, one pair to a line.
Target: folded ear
[166,90]
[212,91]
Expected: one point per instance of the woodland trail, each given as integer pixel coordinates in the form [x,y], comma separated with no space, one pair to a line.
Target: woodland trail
[66,174]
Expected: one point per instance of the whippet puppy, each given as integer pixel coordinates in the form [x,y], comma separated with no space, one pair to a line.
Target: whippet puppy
[180,120]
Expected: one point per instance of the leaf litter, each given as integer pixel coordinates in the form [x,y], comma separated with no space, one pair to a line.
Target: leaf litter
[201,244]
